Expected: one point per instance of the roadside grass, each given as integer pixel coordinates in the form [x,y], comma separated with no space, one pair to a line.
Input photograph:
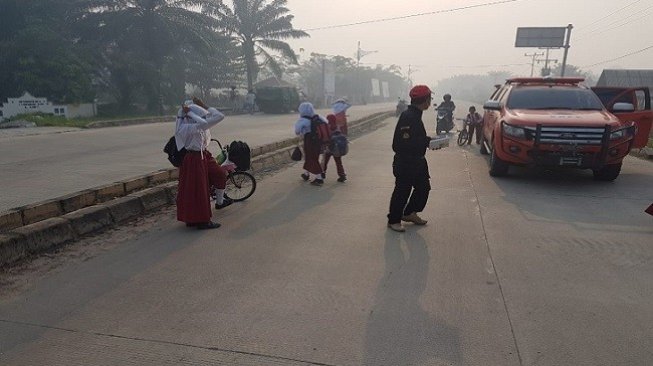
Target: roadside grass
[48,120]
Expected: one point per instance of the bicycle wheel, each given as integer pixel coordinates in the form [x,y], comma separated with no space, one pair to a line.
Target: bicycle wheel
[462,137]
[240,186]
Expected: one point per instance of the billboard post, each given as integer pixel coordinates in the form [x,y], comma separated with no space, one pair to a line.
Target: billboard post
[564,58]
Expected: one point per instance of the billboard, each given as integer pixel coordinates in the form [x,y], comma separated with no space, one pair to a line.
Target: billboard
[545,37]
[376,88]
[386,89]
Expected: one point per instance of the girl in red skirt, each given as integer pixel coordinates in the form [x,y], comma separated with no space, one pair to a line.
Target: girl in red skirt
[312,146]
[199,171]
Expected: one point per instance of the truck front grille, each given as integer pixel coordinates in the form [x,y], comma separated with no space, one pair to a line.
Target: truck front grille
[569,135]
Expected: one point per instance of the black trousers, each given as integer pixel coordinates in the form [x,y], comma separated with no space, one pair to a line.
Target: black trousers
[412,187]
[471,129]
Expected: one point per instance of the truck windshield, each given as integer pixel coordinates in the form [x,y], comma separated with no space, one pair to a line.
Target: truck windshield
[553,98]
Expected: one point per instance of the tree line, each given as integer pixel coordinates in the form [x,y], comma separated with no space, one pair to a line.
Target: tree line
[147,52]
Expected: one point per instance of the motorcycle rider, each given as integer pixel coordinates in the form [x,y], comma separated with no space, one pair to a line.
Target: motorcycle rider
[409,166]
[447,103]
[448,106]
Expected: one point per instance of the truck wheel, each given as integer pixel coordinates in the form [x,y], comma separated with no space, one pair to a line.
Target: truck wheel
[483,148]
[498,167]
[608,173]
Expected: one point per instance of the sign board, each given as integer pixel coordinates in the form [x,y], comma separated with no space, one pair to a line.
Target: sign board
[546,37]
[376,88]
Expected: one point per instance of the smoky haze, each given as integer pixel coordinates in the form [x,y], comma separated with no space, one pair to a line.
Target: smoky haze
[475,40]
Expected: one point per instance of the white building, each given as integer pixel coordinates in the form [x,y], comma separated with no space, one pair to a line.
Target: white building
[29,104]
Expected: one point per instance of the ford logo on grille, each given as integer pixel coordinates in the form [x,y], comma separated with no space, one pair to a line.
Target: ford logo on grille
[568,136]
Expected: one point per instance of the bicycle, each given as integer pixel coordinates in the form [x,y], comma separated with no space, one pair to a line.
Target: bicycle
[240,184]
[463,134]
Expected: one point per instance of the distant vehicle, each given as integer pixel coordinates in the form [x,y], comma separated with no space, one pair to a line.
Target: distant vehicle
[277,99]
[560,122]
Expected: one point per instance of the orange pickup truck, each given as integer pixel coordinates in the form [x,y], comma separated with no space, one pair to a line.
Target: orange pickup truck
[561,122]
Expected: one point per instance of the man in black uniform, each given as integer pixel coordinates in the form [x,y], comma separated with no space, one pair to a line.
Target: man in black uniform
[409,165]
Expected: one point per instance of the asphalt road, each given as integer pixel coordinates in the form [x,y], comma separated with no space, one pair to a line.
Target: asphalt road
[539,268]
[44,163]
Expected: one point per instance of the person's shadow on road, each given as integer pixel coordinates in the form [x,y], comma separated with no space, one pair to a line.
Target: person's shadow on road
[399,331]
[303,198]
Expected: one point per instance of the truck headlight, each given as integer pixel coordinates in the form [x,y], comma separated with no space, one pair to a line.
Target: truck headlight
[617,135]
[513,131]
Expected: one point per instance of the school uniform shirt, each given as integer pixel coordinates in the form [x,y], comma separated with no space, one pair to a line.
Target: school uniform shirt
[192,130]
[474,119]
[303,124]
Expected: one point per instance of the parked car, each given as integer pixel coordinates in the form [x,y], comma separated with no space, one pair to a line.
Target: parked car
[561,122]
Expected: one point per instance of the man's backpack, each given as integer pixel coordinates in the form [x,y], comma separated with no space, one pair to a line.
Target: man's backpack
[339,146]
[320,131]
[240,154]
[176,157]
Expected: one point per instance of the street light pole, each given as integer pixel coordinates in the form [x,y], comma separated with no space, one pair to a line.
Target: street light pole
[359,54]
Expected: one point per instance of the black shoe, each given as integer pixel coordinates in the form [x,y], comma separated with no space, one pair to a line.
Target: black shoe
[317,182]
[342,178]
[208,225]
[225,202]
[305,177]
[191,224]
[323,175]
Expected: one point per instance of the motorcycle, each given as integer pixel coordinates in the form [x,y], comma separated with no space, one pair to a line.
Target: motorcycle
[401,107]
[443,120]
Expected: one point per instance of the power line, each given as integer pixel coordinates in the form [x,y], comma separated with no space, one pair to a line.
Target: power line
[601,31]
[613,13]
[413,15]
[620,57]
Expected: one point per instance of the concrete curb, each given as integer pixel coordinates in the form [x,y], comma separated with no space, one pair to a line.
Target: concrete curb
[39,227]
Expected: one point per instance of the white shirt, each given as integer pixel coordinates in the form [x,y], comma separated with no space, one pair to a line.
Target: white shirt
[303,125]
[192,130]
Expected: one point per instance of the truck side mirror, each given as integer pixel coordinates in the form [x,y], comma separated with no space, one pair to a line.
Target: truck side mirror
[493,105]
[623,107]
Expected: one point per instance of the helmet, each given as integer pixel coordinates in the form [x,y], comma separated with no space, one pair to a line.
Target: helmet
[420,91]
[447,97]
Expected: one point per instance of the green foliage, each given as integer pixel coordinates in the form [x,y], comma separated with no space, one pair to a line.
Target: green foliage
[48,120]
[571,70]
[260,27]
[36,55]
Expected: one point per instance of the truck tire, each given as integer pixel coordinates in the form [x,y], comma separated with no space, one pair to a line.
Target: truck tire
[608,173]
[498,167]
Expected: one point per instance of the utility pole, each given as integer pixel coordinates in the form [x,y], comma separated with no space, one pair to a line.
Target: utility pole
[359,54]
[546,70]
[533,55]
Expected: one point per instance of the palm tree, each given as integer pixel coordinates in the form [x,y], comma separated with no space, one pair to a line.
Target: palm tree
[259,26]
[149,31]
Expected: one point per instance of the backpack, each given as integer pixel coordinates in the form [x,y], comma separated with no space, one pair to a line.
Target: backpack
[176,157]
[240,154]
[320,131]
[339,146]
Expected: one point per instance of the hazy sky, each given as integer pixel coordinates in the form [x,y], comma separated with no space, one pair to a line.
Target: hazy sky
[466,41]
